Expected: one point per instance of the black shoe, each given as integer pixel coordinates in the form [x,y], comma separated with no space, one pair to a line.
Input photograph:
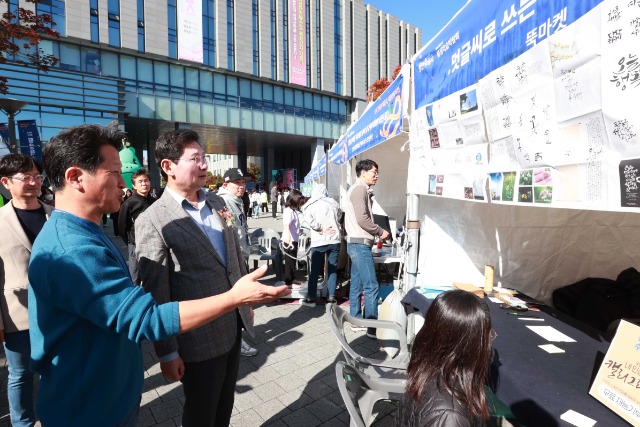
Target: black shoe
[307,302]
[371,332]
[331,300]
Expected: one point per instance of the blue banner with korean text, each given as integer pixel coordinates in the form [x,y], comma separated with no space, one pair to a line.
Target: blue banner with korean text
[4,139]
[29,138]
[380,122]
[484,36]
[317,171]
[4,133]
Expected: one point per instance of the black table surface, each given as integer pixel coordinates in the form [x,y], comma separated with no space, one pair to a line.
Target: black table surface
[536,385]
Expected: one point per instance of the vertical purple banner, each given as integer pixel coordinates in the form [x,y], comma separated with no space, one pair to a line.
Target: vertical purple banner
[297,42]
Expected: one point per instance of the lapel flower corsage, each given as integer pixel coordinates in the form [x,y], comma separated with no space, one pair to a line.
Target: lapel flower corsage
[227,216]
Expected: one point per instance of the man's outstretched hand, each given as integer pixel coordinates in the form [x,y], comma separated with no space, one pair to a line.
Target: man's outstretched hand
[248,291]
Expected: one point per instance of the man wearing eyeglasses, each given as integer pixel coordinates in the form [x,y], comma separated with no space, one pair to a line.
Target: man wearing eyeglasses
[361,234]
[87,319]
[188,248]
[129,212]
[22,219]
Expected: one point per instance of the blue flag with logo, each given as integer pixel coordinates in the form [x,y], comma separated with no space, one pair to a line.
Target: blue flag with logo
[29,138]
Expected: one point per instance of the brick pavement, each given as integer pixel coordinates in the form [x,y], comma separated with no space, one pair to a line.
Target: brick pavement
[290,382]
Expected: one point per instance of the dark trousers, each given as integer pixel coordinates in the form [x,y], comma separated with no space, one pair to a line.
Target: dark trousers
[290,263]
[274,209]
[134,267]
[209,389]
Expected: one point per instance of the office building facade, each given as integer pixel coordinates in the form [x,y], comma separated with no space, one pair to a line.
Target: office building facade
[276,79]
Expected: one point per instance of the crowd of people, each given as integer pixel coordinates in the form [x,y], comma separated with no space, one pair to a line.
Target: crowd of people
[74,311]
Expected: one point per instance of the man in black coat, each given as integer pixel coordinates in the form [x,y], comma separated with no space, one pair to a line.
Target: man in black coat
[129,211]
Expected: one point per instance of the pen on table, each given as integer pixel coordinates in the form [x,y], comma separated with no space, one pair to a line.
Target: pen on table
[531,318]
[515,313]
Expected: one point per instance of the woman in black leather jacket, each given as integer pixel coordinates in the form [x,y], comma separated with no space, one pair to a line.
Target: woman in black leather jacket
[449,365]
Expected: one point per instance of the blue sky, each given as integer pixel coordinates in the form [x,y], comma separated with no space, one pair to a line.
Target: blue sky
[429,15]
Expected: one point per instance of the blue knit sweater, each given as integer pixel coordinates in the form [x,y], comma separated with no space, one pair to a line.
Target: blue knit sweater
[87,320]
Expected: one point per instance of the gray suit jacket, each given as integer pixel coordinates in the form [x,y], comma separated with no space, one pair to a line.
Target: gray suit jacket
[178,262]
[15,251]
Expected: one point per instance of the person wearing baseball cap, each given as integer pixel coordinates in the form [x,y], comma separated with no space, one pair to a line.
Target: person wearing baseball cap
[232,190]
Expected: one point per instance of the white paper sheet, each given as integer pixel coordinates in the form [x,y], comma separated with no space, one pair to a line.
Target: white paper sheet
[550,333]
[577,419]
[550,348]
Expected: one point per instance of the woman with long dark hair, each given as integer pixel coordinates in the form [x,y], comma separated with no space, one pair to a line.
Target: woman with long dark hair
[290,235]
[449,364]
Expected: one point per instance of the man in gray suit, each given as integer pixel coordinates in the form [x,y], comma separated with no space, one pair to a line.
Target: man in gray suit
[22,219]
[188,248]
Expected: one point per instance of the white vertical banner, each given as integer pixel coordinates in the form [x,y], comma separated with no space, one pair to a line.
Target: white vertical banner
[190,30]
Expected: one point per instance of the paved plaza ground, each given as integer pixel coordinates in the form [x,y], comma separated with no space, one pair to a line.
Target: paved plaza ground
[290,382]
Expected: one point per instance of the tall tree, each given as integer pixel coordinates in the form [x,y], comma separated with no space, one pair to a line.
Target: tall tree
[20,32]
[380,85]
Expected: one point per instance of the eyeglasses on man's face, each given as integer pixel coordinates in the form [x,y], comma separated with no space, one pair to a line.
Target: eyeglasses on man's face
[374,172]
[28,178]
[197,160]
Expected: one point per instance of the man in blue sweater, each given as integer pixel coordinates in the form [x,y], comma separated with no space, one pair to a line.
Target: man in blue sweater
[87,318]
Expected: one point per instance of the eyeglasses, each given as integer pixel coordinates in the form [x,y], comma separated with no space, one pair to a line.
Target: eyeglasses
[196,160]
[375,173]
[28,178]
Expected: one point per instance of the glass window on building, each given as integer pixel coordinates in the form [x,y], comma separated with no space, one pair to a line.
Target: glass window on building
[230,36]
[141,26]
[145,70]
[255,21]
[110,64]
[69,57]
[54,8]
[114,23]
[161,71]
[94,21]
[337,44]
[173,29]
[209,32]
[177,75]
[285,39]
[91,61]
[128,67]
[274,50]
[206,81]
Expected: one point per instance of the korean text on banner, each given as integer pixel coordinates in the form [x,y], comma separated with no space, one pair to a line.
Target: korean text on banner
[297,42]
[190,30]
[485,36]
[380,122]
[29,138]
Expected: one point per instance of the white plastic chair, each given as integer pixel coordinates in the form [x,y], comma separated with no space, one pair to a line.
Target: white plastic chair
[265,249]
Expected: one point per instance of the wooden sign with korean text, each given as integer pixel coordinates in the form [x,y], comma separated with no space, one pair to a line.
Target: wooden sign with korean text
[617,384]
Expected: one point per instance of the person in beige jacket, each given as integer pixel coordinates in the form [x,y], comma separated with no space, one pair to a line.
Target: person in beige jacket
[22,219]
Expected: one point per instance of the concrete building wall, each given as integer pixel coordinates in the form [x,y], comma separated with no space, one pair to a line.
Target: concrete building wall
[327,32]
[373,45]
[243,33]
[103,19]
[264,12]
[347,48]
[221,33]
[78,19]
[129,24]
[393,43]
[359,52]
[156,22]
